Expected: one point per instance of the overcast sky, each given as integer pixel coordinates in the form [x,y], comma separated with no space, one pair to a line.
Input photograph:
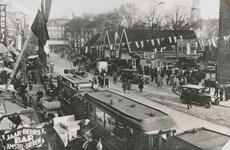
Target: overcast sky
[59,8]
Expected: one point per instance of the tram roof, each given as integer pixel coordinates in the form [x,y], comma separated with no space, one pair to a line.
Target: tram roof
[75,79]
[132,112]
[200,138]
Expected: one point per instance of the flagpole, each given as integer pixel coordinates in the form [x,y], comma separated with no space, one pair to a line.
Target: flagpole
[16,66]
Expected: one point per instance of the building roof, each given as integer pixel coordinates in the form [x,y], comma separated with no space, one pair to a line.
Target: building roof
[94,40]
[135,37]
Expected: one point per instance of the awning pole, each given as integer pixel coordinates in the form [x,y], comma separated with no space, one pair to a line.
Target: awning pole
[16,66]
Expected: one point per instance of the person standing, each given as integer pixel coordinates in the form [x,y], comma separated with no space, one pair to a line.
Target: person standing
[115,78]
[216,89]
[128,86]
[107,82]
[124,86]
[227,90]
[188,100]
[221,92]
[141,84]
[39,95]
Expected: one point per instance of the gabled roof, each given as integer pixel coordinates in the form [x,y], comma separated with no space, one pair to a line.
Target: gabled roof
[111,36]
[93,40]
[139,37]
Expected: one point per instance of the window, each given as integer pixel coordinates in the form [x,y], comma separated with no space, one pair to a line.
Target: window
[99,116]
[109,123]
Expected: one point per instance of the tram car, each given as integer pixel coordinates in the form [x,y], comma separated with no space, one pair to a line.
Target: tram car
[126,124]
[199,139]
[71,89]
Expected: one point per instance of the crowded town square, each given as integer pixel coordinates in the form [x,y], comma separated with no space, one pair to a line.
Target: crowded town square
[115,75]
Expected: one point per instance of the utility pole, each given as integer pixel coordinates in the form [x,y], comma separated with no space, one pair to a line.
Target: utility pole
[223,54]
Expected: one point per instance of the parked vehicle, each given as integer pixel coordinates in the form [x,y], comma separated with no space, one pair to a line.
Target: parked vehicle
[102,65]
[32,62]
[133,75]
[197,94]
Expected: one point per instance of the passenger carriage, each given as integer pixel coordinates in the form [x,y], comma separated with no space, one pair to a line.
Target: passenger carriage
[125,124]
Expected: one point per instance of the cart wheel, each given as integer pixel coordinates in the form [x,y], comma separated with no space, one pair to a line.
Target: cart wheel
[183,100]
[216,102]
[207,104]
[85,75]
[135,80]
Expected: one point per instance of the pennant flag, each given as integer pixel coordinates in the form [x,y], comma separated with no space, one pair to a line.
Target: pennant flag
[111,46]
[196,46]
[161,49]
[173,46]
[214,43]
[202,43]
[195,52]
[155,50]
[142,43]
[170,39]
[86,49]
[158,40]
[210,45]
[181,38]
[116,38]
[152,41]
[225,40]
[164,48]
[188,49]
[39,28]
[137,44]
[175,38]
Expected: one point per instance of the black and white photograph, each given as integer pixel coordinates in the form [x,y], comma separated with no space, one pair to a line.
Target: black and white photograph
[114,74]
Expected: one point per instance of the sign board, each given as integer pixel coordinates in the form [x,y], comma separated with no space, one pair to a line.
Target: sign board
[3,24]
[23,138]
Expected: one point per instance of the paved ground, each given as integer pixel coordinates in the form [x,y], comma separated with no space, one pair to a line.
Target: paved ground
[183,120]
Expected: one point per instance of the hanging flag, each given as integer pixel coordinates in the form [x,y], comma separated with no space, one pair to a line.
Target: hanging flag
[152,41]
[195,52]
[175,39]
[181,38]
[147,41]
[111,46]
[155,50]
[162,39]
[164,48]
[170,39]
[173,46]
[161,49]
[39,28]
[225,40]
[116,38]
[210,45]
[142,44]
[137,44]
[196,46]
[158,41]
[86,49]
[123,44]
[188,49]
[202,43]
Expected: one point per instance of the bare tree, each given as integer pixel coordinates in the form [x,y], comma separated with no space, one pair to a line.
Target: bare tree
[178,19]
[152,18]
[130,11]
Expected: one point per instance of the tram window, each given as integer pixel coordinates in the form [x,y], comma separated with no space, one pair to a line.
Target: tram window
[100,116]
[92,112]
[119,130]
[154,141]
[109,122]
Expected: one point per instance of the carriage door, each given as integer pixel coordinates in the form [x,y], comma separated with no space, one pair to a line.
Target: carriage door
[80,107]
